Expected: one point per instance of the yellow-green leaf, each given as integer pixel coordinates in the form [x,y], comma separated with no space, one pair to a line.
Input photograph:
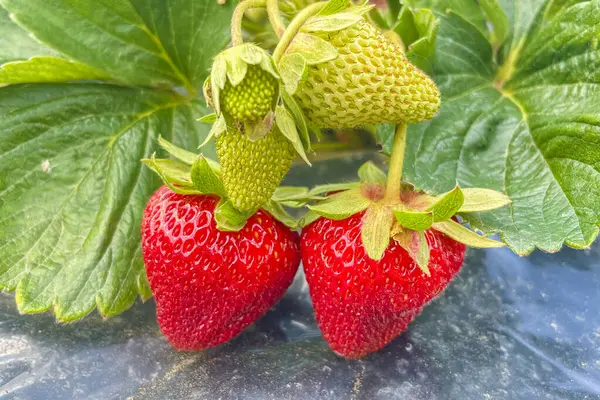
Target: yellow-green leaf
[483,200]
[415,220]
[465,236]
[375,232]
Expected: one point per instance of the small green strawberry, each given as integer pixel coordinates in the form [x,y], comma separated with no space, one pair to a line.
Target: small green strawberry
[244,84]
[369,82]
[252,169]
[252,99]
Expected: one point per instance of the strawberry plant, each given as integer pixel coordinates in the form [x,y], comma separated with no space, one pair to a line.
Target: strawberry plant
[488,112]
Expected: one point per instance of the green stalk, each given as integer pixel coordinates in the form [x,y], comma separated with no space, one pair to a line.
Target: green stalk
[238,16]
[294,27]
[394,179]
[275,17]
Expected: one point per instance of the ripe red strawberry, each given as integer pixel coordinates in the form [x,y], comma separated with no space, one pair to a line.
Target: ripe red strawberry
[209,284]
[362,304]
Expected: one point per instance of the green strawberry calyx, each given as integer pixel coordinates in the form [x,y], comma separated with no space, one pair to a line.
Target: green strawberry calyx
[230,69]
[406,218]
[192,174]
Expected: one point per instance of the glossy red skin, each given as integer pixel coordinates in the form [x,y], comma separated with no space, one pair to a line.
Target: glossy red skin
[360,304]
[209,285]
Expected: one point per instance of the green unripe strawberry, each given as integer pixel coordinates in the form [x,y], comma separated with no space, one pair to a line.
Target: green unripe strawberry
[253,98]
[370,82]
[252,170]
[243,84]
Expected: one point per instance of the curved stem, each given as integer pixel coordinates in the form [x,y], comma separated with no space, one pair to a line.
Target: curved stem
[294,27]
[394,180]
[275,17]
[238,15]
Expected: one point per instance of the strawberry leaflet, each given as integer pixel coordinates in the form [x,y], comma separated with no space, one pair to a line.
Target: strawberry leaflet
[525,126]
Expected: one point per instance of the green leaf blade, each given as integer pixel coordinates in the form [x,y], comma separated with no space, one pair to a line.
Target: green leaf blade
[292,68]
[415,220]
[517,135]
[376,229]
[447,205]
[71,162]
[330,23]
[342,205]
[369,173]
[456,231]
[314,49]
[205,179]
[142,43]
[46,69]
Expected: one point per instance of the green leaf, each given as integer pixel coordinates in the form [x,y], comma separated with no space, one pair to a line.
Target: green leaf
[466,236]
[394,8]
[285,123]
[447,205]
[467,10]
[229,218]
[477,200]
[73,189]
[342,205]
[375,231]
[330,23]
[418,31]
[47,69]
[16,44]
[497,17]
[405,27]
[333,7]
[258,130]
[251,54]
[333,187]
[279,213]
[385,136]
[24,60]
[236,70]
[314,49]
[415,244]
[289,192]
[368,172]
[217,128]
[186,157]
[292,68]
[140,42]
[308,218]
[528,129]
[294,195]
[171,171]
[299,118]
[218,78]
[205,179]
[415,220]
[380,21]
[208,119]
[360,10]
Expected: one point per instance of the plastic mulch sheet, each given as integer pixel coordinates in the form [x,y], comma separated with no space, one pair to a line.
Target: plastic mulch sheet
[506,328]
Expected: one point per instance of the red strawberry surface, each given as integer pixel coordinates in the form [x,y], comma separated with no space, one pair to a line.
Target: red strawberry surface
[209,285]
[361,304]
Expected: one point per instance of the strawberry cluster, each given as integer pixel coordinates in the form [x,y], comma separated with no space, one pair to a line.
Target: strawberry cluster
[220,248]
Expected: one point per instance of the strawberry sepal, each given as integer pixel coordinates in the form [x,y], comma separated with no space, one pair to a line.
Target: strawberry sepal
[406,219]
[190,174]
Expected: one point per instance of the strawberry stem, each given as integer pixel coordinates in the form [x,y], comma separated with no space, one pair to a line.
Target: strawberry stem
[275,17]
[294,27]
[238,16]
[394,180]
